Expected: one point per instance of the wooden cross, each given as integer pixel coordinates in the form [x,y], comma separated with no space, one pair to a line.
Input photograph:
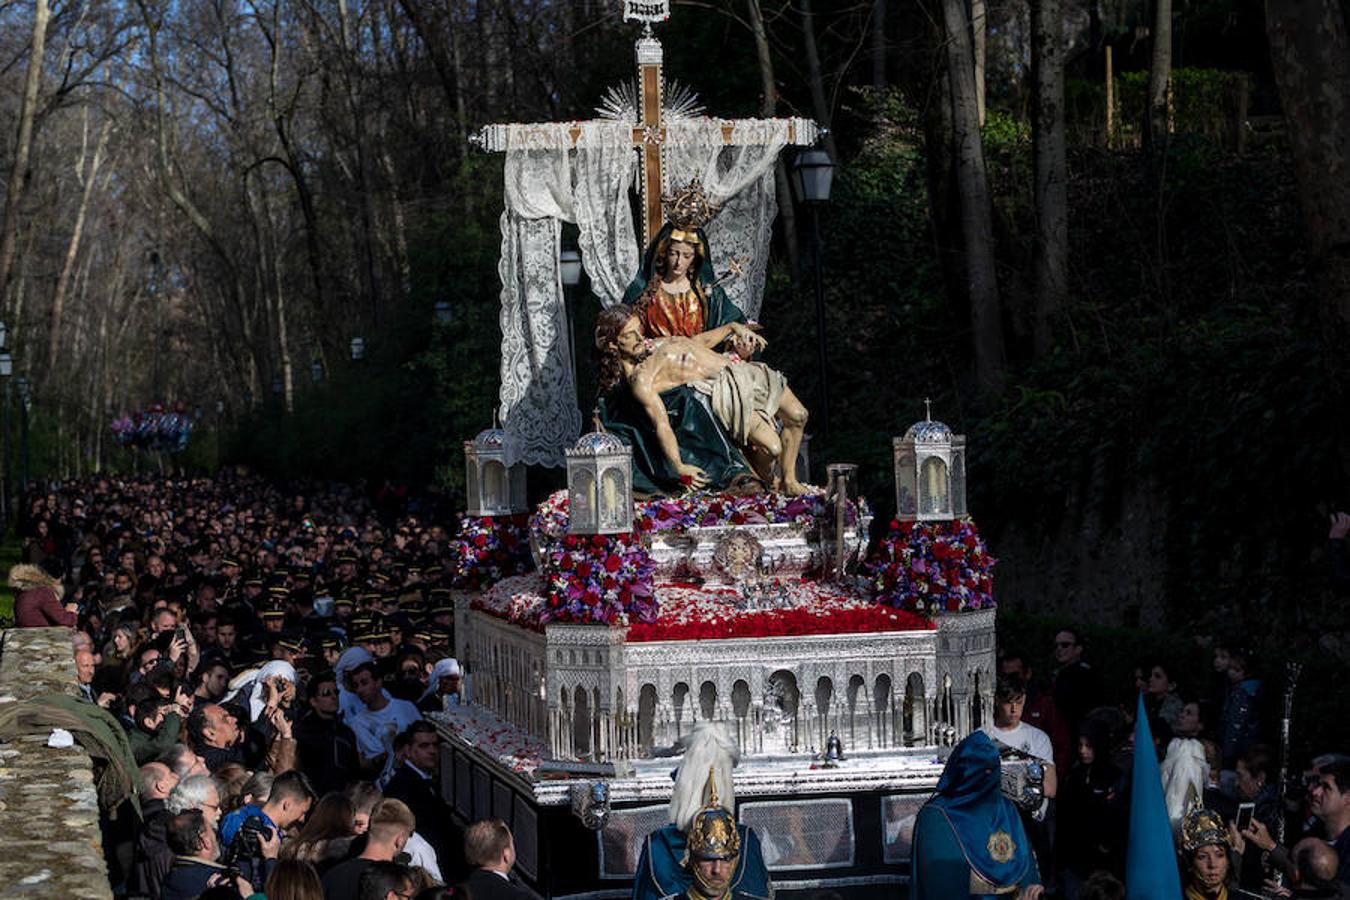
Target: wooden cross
[648,135]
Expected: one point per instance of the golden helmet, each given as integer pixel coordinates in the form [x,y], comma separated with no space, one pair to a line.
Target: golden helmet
[713,834]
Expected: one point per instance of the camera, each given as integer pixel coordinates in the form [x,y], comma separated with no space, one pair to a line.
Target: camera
[247,843]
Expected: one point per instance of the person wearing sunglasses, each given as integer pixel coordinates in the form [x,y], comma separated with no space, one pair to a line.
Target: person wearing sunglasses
[1077,687]
[326,745]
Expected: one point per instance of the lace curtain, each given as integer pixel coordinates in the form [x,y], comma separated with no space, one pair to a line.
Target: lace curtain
[741,177]
[546,185]
[538,390]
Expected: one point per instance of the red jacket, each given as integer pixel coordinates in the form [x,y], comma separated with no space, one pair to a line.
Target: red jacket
[41,608]
[37,601]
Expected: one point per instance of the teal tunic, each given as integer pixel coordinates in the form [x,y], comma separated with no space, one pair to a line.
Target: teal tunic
[969,827]
[939,869]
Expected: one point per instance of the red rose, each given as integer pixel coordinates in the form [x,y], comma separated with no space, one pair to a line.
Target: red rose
[480,540]
[625,595]
[610,584]
[584,569]
[738,518]
[591,598]
[662,514]
[598,540]
[570,541]
[612,563]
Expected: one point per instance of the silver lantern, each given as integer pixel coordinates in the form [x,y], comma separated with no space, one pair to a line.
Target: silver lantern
[930,472]
[496,485]
[600,485]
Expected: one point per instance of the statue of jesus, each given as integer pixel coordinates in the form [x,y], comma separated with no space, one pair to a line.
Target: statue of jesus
[747,398]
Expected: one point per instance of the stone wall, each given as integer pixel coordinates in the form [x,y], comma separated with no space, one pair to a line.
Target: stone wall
[48,806]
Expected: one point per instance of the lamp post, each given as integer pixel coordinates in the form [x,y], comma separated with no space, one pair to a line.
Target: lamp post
[220,418]
[316,371]
[25,398]
[569,266]
[442,312]
[358,349]
[813,172]
[6,370]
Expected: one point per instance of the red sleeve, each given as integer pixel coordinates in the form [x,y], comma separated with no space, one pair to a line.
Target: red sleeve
[55,612]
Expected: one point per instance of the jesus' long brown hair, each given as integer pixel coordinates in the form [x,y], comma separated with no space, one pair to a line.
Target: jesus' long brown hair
[607,327]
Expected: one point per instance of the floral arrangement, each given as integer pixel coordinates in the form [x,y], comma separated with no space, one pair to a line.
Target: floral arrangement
[488,549]
[933,567]
[601,579]
[155,429]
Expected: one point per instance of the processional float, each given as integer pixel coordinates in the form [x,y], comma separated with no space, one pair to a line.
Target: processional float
[597,629]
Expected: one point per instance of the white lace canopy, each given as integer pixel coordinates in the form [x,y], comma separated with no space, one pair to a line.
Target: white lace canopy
[548,182]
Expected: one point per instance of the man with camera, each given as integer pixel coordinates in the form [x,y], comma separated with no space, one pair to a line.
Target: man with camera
[196,866]
[247,831]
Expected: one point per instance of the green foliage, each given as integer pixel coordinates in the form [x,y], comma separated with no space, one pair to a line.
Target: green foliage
[1206,102]
[889,332]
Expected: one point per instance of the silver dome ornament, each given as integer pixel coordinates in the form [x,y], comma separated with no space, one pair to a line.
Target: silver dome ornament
[599,484]
[930,472]
[495,480]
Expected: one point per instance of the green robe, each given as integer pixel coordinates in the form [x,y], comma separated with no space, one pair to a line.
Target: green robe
[703,441]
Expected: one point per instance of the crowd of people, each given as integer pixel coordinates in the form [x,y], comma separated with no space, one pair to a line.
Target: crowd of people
[1217,745]
[271,657]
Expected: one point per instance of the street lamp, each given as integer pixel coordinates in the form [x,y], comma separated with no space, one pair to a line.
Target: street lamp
[316,371]
[813,173]
[6,370]
[26,398]
[442,312]
[569,267]
[358,349]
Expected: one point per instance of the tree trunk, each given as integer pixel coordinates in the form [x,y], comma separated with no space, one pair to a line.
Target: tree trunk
[23,147]
[1160,73]
[979,37]
[977,233]
[1310,55]
[1052,217]
[768,106]
[879,79]
[73,247]
[819,104]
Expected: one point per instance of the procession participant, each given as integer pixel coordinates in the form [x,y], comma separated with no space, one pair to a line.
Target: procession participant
[968,838]
[702,852]
[1205,847]
[749,400]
